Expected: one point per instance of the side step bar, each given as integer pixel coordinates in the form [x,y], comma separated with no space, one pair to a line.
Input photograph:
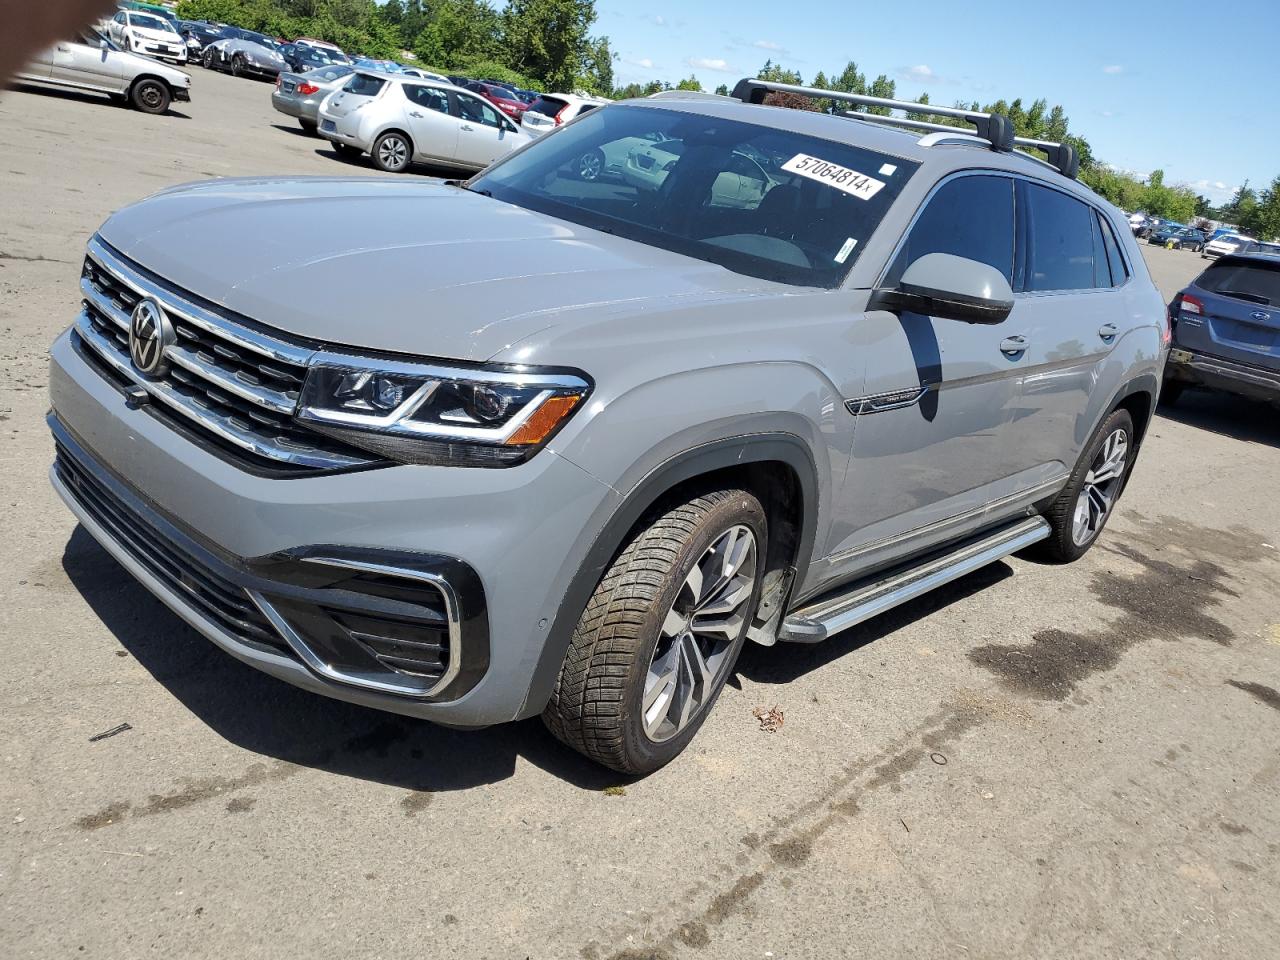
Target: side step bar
[817,622]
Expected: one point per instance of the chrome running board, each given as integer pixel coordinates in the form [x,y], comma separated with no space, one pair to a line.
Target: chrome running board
[864,600]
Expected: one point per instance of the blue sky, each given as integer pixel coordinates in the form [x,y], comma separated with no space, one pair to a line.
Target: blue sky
[1148,84]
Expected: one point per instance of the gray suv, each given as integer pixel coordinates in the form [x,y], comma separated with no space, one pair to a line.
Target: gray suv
[540,444]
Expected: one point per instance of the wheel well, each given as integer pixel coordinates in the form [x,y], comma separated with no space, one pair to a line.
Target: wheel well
[151,76]
[777,486]
[403,133]
[1138,404]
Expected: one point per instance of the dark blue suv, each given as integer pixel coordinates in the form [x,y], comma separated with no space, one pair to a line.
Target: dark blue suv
[1226,329]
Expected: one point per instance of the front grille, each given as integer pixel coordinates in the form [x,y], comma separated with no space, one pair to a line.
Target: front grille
[233,385]
[219,600]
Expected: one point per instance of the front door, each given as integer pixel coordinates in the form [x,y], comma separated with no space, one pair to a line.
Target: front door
[931,444]
[481,132]
[85,65]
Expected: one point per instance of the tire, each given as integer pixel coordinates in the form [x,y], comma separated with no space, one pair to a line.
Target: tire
[392,152]
[590,165]
[1170,392]
[310,126]
[639,636]
[150,96]
[237,66]
[1074,532]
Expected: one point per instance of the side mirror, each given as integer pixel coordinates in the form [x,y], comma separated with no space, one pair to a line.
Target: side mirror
[103,46]
[956,288]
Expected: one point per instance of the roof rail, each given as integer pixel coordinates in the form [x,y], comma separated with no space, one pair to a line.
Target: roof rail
[994,128]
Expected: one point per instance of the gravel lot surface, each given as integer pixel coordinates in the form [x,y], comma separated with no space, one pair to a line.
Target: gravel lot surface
[1037,762]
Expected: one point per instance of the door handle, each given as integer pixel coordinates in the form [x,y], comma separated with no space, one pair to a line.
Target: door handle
[1108,332]
[415,113]
[64,48]
[1013,345]
[467,126]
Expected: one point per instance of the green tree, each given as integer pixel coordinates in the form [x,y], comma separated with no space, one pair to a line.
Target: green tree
[597,73]
[776,73]
[547,39]
[884,88]
[1241,205]
[690,83]
[723,90]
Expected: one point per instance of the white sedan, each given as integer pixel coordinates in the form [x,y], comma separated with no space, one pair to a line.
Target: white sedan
[147,34]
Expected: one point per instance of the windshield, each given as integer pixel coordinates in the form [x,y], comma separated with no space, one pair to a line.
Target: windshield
[1259,282]
[760,201]
[149,22]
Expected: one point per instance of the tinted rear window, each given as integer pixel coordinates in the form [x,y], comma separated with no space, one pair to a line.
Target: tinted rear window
[547,106]
[1259,282]
[328,73]
[364,85]
[757,200]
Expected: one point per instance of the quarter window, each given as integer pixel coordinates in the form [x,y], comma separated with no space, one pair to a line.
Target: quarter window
[1119,271]
[969,217]
[1059,241]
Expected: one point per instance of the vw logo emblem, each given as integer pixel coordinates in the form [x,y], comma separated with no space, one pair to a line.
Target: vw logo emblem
[150,334]
[1261,316]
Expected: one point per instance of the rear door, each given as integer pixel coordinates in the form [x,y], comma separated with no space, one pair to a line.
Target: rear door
[1076,313]
[433,129]
[1239,312]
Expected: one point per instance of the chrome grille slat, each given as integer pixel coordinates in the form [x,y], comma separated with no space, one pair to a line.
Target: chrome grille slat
[238,384]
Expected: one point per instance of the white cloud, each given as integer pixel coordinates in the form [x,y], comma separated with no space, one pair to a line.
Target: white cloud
[1113,68]
[921,73]
[641,62]
[659,21]
[711,63]
[770,45]
[1215,190]
[1108,113]
[1219,185]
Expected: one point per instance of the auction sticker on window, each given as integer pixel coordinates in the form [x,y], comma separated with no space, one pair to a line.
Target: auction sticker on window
[833,175]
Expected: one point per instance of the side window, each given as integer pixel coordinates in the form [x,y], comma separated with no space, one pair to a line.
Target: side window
[1119,271]
[1059,241]
[477,111]
[119,17]
[429,97]
[969,216]
[1101,268]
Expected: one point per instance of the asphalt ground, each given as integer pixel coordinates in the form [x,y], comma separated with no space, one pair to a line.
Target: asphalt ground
[1037,761]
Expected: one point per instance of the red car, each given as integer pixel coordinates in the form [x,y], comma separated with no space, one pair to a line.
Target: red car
[500,97]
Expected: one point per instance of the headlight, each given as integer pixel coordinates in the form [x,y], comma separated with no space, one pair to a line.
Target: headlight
[419,413]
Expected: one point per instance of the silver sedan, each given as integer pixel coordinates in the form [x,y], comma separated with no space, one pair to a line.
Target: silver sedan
[299,95]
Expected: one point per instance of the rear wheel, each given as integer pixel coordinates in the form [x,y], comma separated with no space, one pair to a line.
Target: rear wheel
[1080,512]
[150,96]
[661,633]
[237,65]
[391,152]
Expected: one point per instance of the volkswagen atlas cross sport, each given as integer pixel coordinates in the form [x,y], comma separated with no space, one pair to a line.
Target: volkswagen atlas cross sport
[535,444]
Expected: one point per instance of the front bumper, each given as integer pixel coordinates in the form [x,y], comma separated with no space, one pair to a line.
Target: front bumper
[1247,380]
[506,543]
[182,93]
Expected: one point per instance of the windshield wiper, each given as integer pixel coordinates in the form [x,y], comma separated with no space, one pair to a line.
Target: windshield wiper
[461,185]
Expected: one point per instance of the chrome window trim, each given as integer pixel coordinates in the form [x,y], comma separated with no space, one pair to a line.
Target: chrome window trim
[1012,175]
[319,666]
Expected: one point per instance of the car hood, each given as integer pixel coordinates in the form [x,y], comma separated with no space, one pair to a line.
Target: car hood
[406,266]
[136,63]
[160,36]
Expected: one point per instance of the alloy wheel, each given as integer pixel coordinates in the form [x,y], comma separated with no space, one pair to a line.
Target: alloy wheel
[698,634]
[1101,486]
[393,153]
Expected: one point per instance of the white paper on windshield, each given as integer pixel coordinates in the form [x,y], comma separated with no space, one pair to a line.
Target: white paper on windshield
[833,175]
[845,250]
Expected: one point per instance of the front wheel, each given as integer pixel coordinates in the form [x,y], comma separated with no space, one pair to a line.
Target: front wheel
[1085,504]
[591,165]
[661,633]
[308,125]
[237,66]
[391,152]
[150,96]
